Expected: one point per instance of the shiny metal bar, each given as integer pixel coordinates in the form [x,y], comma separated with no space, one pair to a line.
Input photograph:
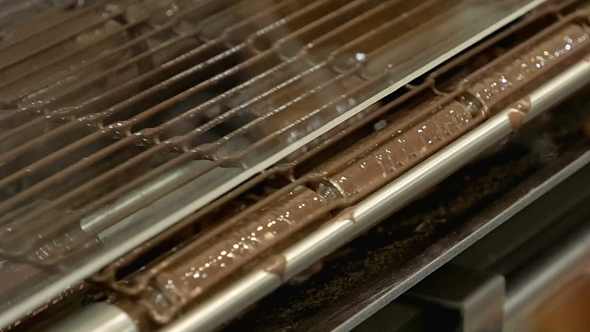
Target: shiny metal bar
[149,214]
[246,291]
[134,198]
[99,317]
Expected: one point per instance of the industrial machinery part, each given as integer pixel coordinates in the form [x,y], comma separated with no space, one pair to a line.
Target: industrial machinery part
[174,162]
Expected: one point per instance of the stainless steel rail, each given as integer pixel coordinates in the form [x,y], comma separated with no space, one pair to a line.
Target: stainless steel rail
[257,284]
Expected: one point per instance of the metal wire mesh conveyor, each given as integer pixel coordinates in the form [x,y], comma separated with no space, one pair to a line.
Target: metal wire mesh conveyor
[185,158]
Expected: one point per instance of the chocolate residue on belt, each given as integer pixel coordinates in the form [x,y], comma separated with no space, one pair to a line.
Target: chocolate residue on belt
[275,264]
[523,105]
[516,119]
[388,160]
[103,38]
[497,86]
[345,215]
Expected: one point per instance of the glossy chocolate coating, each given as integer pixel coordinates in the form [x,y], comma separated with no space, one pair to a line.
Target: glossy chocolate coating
[194,270]
[510,77]
[386,161]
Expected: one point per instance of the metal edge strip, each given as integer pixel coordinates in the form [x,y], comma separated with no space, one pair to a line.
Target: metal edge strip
[344,227]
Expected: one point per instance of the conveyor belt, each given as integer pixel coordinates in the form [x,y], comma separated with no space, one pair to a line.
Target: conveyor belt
[120,121]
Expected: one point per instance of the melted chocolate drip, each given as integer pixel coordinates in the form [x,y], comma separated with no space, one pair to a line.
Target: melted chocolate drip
[495,87]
